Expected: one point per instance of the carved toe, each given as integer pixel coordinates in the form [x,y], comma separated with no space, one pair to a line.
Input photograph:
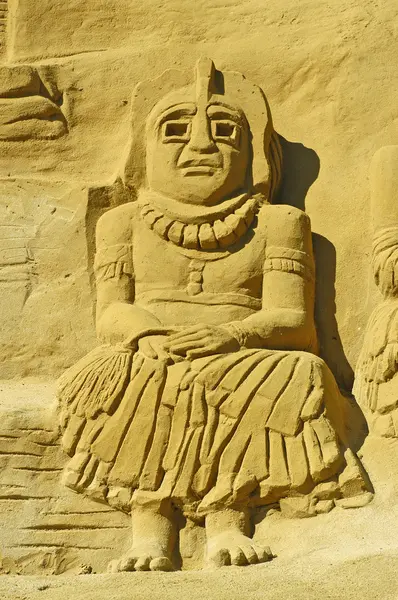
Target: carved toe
[238,557]
[220,558]
[250,554]
[142,563]
[235,549]
[161,564]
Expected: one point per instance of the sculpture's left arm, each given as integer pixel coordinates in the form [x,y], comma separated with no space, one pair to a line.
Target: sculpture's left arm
[286,320]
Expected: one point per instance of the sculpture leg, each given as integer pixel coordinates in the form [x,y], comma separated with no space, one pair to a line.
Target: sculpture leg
[154,535]
[228,542]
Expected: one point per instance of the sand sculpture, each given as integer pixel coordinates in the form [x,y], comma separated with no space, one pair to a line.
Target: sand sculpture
[207,395]
[376,385]
[29,109]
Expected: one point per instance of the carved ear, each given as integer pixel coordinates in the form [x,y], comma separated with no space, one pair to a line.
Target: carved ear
[266,151]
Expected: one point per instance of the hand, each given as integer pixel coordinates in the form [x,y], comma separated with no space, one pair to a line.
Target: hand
[152,346]
[201,340]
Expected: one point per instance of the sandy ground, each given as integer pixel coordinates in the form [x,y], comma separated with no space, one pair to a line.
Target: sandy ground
[343,555]
[370,577]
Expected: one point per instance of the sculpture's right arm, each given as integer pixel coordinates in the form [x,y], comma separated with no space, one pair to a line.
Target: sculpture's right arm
[118,318]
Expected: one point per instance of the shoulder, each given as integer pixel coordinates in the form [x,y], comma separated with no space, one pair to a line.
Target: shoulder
[286,226]
[115,226]
[289,216]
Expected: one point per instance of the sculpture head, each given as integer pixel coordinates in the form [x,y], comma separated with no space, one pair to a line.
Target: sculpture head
[205,142]
[197,143]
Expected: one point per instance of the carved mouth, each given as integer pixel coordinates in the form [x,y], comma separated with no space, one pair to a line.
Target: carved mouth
[198,170]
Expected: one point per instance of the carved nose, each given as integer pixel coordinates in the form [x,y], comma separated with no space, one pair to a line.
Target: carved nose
[201,140]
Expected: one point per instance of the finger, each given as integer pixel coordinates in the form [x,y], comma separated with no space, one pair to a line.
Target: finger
[175,330]
[199,352]
[176,358]
[150,353]
[189,331]
[162,354]
[186,337]
[185,340]
[184,348]
[153,349]
[146,348]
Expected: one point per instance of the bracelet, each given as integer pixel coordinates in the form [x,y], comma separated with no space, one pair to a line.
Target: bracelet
[237,332]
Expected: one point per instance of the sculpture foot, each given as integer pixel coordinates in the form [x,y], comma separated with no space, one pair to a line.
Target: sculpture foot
[233,548]
[142,558]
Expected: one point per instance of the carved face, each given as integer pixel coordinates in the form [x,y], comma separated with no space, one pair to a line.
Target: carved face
[198,154]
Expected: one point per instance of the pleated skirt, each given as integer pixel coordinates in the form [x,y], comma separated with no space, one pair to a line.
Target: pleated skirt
[242,429]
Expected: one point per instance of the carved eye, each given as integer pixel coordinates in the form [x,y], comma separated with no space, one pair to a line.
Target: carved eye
[176,131]
[226,131]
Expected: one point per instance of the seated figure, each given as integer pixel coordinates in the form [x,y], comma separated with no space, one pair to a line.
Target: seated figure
[207,396]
